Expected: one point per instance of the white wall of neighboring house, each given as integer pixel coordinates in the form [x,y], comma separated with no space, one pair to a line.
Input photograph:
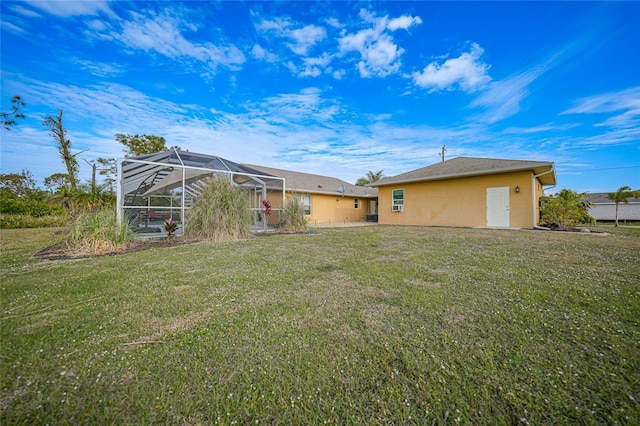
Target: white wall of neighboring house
[607,211]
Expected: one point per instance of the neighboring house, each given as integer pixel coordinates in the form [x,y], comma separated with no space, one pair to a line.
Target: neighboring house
[605,209]
[466,192]
[325,199]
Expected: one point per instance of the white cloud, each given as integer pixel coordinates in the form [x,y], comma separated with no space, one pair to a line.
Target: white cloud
[627,102]
[313,67]
[466,72]
[279,25]
[403,22]
[339,74]
[304,38]
[259,52]
[98,25]
[334,22]
[72,8]
[300,40]
[379,55]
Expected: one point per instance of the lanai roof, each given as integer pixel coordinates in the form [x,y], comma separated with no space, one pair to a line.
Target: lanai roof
[154,170]
[470,166]
[317,184]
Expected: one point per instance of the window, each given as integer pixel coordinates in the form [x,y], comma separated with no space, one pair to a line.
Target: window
[356,204]
[398,200]
[305,200]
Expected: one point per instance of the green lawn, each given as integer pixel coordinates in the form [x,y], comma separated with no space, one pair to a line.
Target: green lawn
[371,325]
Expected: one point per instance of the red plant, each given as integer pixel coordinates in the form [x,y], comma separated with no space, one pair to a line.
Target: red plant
[170,227]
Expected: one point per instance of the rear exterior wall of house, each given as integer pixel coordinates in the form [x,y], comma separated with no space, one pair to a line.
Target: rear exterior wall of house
[326,208]
[460,202]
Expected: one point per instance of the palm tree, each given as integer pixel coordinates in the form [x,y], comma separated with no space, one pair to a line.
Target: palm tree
[621,196]
[370,177]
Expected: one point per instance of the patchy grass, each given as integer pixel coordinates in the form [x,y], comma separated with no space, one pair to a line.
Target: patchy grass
[372,325]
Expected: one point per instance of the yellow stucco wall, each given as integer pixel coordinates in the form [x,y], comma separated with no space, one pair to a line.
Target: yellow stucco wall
[460,201]
[335,209]
[327,208]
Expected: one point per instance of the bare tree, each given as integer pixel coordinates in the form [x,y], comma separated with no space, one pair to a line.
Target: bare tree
[59,133]
[8,118]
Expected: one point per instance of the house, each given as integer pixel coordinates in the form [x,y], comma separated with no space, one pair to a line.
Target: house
[605,209]
[466,192]
[325,199]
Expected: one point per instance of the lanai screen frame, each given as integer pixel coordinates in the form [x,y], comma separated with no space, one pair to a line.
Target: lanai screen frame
[162,163]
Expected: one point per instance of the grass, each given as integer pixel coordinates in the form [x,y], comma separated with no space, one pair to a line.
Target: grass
[373,325]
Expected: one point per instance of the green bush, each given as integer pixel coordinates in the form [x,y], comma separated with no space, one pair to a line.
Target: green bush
[292,218]
[98,232]
[565,209]
[221,212]
[14,221]
[29,207]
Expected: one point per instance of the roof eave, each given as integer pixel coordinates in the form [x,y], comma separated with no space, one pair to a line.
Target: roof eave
[472,173]
[336,194]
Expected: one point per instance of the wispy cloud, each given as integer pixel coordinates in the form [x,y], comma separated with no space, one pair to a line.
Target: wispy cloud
[379,54]
[502,99]
[163,33]
[99,69]
[19,9]
[72,8]
[626,103]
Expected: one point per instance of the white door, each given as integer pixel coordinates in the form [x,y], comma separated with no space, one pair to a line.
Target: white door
[498,206]
[372,207]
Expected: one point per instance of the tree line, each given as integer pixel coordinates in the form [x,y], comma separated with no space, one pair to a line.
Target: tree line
[63,193]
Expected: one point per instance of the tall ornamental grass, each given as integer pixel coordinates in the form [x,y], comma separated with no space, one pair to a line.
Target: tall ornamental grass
[95,233]
[292,218]
[221,212]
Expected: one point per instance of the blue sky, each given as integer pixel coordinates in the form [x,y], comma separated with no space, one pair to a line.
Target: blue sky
[333,88]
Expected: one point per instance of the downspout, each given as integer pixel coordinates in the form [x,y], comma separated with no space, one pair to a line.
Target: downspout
[533,196]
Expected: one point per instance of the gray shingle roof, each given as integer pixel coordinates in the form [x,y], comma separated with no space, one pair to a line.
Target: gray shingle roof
[470,166]
[602,198]
[316,184]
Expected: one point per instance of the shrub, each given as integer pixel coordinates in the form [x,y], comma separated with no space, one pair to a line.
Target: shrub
[98,232]
[221,212]
[13,221]
[292,218]
[565,209]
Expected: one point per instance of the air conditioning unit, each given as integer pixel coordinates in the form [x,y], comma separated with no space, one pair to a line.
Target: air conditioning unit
[397,208]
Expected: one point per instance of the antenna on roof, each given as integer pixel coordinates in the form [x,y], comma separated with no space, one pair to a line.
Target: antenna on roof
[342,189]
[442,152]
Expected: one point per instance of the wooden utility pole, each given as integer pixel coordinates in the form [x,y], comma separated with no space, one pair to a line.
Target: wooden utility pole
[442,152]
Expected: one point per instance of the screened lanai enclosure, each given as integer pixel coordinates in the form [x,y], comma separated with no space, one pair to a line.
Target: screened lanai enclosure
[155,187]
